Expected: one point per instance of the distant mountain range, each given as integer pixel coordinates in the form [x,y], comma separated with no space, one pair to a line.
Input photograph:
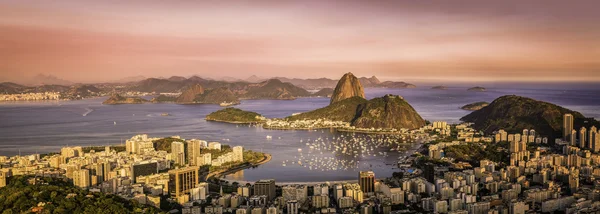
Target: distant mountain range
[67,92]
[367,82]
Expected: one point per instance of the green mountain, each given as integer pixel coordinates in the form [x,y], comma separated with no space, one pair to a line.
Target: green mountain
[217,96]
[118,99]
[514,113]
[274,89]
[234,115]
[344,110]
[474,106]
[387,112]
[477,88]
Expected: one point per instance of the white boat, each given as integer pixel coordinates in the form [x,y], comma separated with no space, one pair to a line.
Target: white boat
[269,137]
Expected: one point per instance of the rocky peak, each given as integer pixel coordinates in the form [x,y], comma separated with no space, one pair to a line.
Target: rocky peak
[348,86]
[374,80]
[190,94]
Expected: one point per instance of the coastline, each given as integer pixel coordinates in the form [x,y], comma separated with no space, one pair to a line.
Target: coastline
[222,173]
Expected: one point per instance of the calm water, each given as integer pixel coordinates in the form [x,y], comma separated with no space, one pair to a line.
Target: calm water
[40,127]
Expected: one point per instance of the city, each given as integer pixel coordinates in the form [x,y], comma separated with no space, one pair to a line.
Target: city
[300,107]
[539,178]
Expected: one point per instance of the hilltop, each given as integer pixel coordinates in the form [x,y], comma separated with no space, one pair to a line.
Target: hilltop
[515,113]
[477,88]
[325,92]
[273,89]
[118,99]
[474,106]
[348,86]
[389,112]
[235,115]
[344,110]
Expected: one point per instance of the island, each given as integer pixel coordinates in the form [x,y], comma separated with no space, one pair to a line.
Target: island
[235,115]
[477,88]
[474,106]
[439,87]
[117,99]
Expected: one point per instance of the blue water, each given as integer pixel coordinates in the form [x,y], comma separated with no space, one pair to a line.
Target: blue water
[40,127]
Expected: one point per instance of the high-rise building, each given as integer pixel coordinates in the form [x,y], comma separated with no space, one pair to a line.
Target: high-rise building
[193,151]
[204,159]
[238,154]
[429,172]
[591,139]
[143,168]
[292,207]
[81,178]
[178,153]
[567,127]
[182,180]
[582,137]
[366,180]
[265,187]
[573,136]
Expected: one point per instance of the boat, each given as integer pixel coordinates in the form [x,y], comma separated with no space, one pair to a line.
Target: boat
[269,137]
[115,122]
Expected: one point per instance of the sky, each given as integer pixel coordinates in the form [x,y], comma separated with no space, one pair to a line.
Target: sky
[459,40]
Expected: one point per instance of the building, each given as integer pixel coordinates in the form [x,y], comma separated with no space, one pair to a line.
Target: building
[143,168]
[265,187]
[238,154]
[366,180]
[178,152]
[204,159]
[567,128]
[81,178]
[583,137]
[193,151]
[292,207]
[3,178]
[214,145]
[182,180]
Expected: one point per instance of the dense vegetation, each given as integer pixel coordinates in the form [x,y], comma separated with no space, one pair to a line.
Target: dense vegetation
[514,113]
[216,96]
[474,152]
[234,115]
[53,195]
[102,148]
[387,112]
[344,110]
[164,99]
[164,144]
[118,99]
[475,106]
[274,89]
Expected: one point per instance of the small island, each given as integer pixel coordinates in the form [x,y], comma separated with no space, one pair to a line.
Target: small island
[439,87]
[117,99]
[474,106]
[164,99]
[477,88]
[235,115]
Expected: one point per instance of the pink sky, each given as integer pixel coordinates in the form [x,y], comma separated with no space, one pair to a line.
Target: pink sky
[96,41]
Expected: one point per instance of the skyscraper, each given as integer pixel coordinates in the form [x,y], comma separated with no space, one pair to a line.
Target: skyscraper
[265,187]
[567,127]
[366,180]
[182,180]
[573,136]
[582,137]
[178,153]
[193,151]
[591,139]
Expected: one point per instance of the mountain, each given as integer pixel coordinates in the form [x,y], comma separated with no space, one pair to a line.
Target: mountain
[217,96]
[42,79]
[369,82]
[164,99]
[439,87]
[234,115]
[177,78]
[161,85]
[131,79]
[344,110]
[372,82]
[325,92]
[254,79]
[474,106]
[348,86]
[388,112]
[477,88]
[11,88]
[118,99]
[189,95]
[274,89]
[514,113]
